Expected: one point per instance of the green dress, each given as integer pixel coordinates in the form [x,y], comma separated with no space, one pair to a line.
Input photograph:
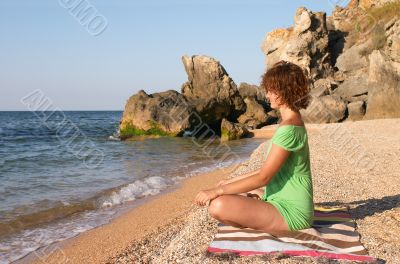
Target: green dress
[291,189]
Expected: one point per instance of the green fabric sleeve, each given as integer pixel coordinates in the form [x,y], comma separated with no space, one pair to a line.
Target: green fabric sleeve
[287,138]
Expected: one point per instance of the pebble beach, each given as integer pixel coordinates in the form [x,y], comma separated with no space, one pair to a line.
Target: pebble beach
[354,164]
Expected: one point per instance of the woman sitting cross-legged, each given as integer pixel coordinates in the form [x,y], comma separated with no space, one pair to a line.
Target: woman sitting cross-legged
[287,201]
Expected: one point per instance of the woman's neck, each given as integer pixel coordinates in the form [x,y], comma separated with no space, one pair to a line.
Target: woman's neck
[288,115]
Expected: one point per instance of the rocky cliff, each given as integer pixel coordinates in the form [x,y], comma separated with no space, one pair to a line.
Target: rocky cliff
[352,59]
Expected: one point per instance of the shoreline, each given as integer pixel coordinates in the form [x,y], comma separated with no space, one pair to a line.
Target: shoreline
[67,248]
[53,234]
[131,226]
[177,231]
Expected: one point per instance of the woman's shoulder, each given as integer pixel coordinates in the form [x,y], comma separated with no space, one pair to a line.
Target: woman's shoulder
[290,136]
[298,122]
[290,128]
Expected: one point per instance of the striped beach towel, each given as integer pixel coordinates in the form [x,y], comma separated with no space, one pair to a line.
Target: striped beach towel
[332,235]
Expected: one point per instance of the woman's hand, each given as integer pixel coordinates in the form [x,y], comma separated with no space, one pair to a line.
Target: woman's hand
[206,196]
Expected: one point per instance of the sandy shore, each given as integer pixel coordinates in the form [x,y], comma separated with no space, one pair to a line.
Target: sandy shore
[101,244]
[353,163]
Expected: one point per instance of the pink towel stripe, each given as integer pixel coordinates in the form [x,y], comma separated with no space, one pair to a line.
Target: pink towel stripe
[310,253]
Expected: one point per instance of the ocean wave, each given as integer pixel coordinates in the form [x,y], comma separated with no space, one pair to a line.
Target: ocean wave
[114,137]
[155,184]
[70,219]
[49,215]
[138,189]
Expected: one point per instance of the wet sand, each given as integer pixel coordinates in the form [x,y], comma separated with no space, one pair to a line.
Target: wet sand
[105,242]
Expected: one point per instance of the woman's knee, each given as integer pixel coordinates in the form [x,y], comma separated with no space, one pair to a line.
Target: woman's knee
[217,206]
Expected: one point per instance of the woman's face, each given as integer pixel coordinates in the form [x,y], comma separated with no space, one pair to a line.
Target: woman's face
[272,97]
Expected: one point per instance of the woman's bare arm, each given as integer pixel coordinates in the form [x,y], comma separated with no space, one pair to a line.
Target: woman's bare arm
[271,166]
[236,178]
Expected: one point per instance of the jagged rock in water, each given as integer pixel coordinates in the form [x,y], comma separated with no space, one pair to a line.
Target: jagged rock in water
[165,114]
[231,131]
[211,90]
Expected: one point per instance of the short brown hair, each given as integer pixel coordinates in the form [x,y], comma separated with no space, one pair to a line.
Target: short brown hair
[288,81]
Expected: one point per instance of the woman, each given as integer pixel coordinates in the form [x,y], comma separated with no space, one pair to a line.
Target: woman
[287,202]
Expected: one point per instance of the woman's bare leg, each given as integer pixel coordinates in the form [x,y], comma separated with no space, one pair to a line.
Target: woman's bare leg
[247,212]
[232,224]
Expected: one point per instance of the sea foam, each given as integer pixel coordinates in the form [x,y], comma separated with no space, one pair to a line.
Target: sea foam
[138,189]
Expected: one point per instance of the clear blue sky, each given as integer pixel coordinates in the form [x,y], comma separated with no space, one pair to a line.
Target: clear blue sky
[44,47]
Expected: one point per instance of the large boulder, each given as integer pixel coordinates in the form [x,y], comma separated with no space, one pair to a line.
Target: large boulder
[251,90]
[322,87]
[164,114]
[258,110]
[384,88]
[353,58]
[231,131]
[351,87]
[393,40]
[305,44]
[211,90]
[356,110]
[325,109]
[255,115]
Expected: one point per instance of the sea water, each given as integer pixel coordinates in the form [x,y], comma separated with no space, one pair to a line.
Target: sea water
[67,173]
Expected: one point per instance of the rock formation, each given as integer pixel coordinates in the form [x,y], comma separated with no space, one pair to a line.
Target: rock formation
[356,110]
[257,108]
[351,57]
[209,97]
[305,44]
[384,88]
[165,114]
[211,90]
[252,91]
[325,109]
[231,131]
[365,4]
